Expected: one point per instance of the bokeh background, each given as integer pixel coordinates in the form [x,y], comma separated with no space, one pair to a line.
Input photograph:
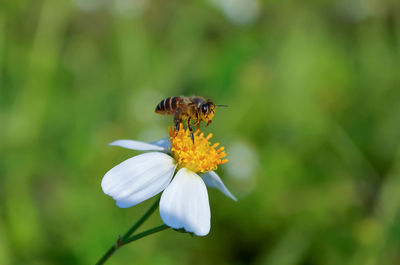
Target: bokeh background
[312,129]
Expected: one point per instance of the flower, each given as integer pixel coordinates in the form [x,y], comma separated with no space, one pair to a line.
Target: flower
[184,202]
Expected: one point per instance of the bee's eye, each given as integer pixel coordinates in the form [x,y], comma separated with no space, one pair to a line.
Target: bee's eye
[204,108]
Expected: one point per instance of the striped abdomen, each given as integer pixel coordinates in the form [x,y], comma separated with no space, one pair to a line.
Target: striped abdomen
[169,105]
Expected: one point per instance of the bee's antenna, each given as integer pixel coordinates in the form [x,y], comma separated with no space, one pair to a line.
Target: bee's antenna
[225,106]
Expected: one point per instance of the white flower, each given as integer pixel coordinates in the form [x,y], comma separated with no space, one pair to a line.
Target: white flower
[184,202]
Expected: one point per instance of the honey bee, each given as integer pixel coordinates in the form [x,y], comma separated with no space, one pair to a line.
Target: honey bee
[193,108]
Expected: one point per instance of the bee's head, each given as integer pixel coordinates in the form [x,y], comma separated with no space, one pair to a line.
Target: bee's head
[207,111]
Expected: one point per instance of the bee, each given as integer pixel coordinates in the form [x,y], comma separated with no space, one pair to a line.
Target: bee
[193,108]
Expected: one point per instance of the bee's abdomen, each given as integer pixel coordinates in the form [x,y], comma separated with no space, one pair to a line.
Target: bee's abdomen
[168,105]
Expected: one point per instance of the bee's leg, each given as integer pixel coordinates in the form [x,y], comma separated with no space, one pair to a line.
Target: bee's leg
[177,121]
[190,129]
[197,124]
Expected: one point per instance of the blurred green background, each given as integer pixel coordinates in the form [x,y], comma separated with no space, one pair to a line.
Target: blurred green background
[312,131]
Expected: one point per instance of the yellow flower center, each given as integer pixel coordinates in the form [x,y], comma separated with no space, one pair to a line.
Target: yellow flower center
[199,156]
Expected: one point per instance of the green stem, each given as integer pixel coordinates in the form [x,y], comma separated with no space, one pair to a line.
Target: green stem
[145,233]
[141,220]
[121,240]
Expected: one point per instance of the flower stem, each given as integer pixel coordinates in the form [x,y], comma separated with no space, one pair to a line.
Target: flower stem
[145,233]
[141,220]
[125,239]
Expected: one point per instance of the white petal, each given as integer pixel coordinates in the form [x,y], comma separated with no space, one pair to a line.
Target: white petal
[138,178]
[214,181]
[141,146]
[164,143]
[184,203]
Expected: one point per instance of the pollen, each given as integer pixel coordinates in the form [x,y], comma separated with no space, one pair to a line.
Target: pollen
[200,156]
